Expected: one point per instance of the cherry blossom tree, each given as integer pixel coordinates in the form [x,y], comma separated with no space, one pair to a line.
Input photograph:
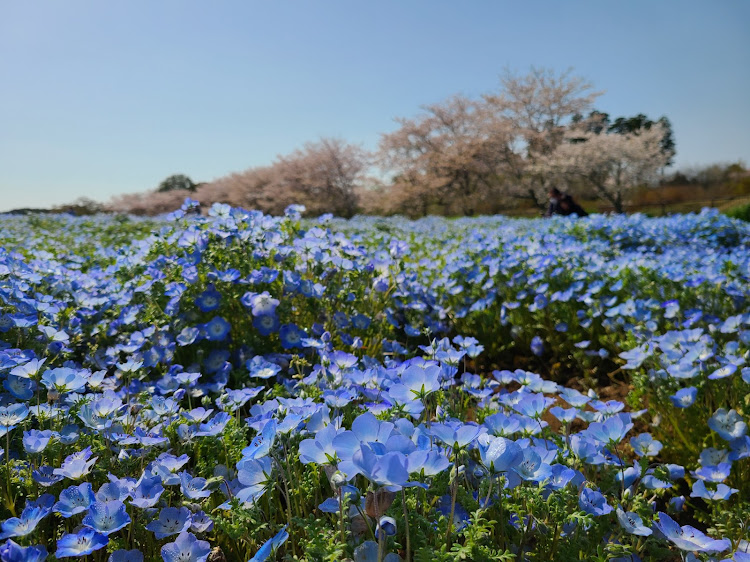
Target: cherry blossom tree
[611,164]
[325,176]
[540,108]
[450,154]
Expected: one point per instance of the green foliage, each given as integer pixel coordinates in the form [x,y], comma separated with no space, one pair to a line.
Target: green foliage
[741,212]
[176,182]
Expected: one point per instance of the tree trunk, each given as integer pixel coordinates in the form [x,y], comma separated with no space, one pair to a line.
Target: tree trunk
[618,203]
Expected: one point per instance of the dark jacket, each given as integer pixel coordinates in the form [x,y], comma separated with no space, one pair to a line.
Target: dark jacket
[565,205]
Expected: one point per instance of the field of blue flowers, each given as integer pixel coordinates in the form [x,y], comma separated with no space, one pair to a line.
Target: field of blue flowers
[244,387]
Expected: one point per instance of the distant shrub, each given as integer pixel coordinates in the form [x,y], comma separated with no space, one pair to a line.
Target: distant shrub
[80,207]
[741,212]
[176,182]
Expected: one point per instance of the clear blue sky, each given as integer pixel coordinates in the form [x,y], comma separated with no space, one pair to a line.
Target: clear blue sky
[100,98]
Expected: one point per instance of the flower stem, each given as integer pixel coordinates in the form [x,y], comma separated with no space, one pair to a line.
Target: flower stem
[454,491]
[406,526]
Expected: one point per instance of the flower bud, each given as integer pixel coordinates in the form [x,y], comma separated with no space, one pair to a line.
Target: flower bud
[387,525]
[338,479]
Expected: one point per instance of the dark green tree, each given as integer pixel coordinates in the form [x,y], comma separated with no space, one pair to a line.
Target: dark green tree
[624,125]
[175,182]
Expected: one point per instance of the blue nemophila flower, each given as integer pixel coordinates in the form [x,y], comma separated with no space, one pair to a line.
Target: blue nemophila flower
[532,404]
[427,462]
[84,542]
[339,398]
[254,476]
[35,441]
[501,425]
[319,450]
[44,476]
[214,426]
[740,448]
[167,467]
[608,408]
[116,488]
[132,365]
[171,521]
[193,488]
[259,367]
[260,304]
[262,444]
[361,322]
[188,335]
[537,346]
[632,523]
[717,473]
[217,329]
[226,276]
[30,369]
[723,372]
[416,382]
[565,415]
[561,475]
[593,502]
[69,434]
[233,399]
[330,505]
[612,430]
[671,309]
[722,491]
[12,552]
[573,397]
[689,538]
[651,482]
[388,470]
[366,428]
[201,522]
[644,445]
[30,517]
[342,361]
[499,454]
[19,387]
[713,457]
[729,425]
[456,435]
[291,336]
[628,475]
[636,356]
[13,414]
[197,415]
[107,517]
[684,398]
[266,324]
[147,491]
[532,467]
[270,546]
[677,503]
[77,465]
[75,499]
[450,356]
[186,548]
[209,300]
[64,379]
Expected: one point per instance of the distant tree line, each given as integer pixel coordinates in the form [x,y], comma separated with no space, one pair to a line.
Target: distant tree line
[460,156]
